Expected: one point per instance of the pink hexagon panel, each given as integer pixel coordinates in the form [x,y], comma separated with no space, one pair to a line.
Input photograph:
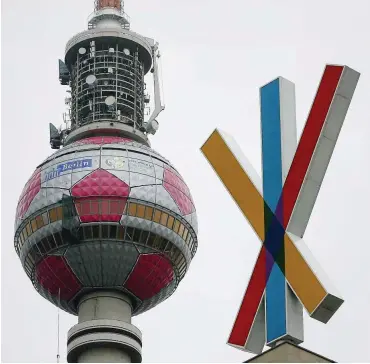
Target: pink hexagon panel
[100,196]
[178,190]
[29,192]
[54,275]
[102,140]
[151,274]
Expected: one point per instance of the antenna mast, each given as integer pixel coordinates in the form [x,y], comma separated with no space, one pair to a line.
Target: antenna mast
[58,356]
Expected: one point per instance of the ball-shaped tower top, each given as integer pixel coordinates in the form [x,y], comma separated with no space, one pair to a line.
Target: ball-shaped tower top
[106,213]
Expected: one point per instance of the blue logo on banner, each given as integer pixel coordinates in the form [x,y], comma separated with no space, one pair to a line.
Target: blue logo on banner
[68,166]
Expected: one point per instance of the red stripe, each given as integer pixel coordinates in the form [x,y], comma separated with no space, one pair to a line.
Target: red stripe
[249,307]
[309,138]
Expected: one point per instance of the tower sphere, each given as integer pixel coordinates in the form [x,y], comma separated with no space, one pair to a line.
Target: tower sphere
[106,213]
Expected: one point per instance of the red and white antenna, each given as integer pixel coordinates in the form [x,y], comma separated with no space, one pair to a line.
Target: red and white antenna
[109,14]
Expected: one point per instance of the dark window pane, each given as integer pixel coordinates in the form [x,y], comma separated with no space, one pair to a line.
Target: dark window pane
[58,239]
[43,246]
[164,243]
[87,232]
[105,231]
[151,239]
[121,233]
[96,231]
[144,237]
[129,233]
[80,234]
[175,254]
[113,232]
[159,242]
[137,235]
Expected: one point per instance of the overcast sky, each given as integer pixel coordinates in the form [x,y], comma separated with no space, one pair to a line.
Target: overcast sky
[216,55]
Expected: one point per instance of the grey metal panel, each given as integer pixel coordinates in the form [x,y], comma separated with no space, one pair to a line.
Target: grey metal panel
[26,248]
[163,231]
[256,339]
[39,202]
[139,179]
[141,156]
[139,223]
[74,259]
[108,151]
[164,199]
[159,171]
[91,257]
[140,166]
[294,316]
[145,193]
[127,256]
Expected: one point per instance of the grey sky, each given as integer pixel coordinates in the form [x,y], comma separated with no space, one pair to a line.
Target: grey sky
[216,55]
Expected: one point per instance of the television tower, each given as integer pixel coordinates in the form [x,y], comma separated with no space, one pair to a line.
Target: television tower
[106,227]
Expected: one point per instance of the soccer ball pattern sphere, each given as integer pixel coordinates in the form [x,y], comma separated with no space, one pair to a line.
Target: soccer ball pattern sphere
[106,213]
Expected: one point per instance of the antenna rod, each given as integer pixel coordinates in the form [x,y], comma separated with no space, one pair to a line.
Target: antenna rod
[58,356]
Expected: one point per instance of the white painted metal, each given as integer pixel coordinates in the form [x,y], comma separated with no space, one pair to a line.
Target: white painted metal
[158,108]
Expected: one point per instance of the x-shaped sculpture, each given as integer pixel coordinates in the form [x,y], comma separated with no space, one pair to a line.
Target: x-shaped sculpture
[285,275]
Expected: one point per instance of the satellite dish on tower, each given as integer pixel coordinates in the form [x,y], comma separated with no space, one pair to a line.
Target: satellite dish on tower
[126,51]
[91,80]
[82,51]
[110,101]
[152,127]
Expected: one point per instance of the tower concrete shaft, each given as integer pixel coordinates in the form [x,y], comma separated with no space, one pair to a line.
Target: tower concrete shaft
[104,333]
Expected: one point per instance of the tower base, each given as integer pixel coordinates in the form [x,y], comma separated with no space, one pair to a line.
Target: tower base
[287,352]
[104,333]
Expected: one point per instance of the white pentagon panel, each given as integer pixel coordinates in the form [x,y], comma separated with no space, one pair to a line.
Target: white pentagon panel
[139,179]
[159,170]
[37,203]
[145,193]
[140,156]
[141,166]
[121,152]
